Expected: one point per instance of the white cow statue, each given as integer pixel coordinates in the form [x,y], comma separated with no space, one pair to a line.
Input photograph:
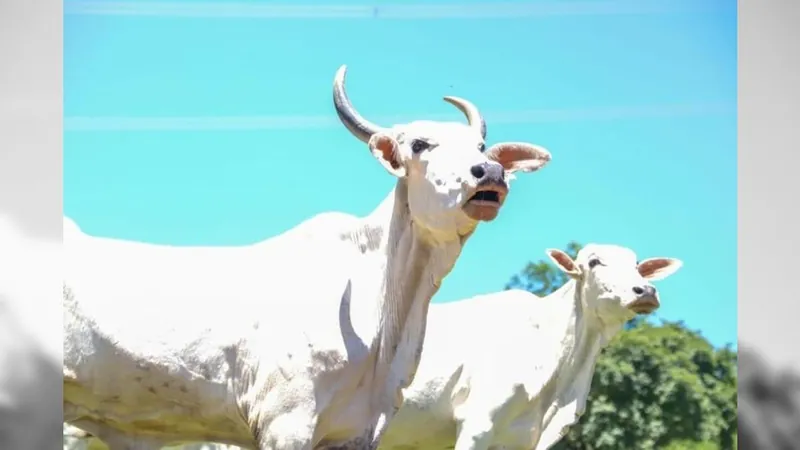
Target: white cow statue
[511,370]
[301,341]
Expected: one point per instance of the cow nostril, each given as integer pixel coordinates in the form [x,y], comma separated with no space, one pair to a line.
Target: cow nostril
[478,171]
[644,290]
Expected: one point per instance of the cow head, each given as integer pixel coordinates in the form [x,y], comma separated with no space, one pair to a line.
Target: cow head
[613,284]
[452,180]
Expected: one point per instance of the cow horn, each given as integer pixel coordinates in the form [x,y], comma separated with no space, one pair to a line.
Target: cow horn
[474,116]
[358,126]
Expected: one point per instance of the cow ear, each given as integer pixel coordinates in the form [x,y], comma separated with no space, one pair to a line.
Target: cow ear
[654,269]
[385,149]
[519,156]
[564,262]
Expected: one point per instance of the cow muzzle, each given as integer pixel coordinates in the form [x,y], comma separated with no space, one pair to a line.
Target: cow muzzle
[484,204]
[644,304]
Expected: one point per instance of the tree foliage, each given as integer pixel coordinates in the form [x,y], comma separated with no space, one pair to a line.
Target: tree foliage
[655,386]
[659,386]
[542,277]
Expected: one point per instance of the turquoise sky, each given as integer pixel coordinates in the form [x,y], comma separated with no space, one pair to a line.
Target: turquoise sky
[212,123]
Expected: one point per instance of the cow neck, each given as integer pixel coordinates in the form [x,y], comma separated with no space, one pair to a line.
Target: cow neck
[583,338]
[414,264]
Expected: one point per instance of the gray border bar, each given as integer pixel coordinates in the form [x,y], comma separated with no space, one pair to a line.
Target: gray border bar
[769,128]
[30,224]
[769,143]
[31,114]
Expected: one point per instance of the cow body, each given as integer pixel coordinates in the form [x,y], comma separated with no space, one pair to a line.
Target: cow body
[208,344]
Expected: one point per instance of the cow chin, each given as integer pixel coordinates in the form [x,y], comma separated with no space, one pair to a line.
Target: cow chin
[481,211]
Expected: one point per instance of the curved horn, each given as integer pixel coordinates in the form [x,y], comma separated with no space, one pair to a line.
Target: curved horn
[474,116]
[359,126]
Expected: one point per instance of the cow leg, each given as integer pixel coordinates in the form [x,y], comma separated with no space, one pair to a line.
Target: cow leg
[475,434]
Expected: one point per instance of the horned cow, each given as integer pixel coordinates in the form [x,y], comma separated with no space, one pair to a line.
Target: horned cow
[302,341]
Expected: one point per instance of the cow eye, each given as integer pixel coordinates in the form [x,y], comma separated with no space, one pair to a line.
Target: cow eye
[419,145]
[482,147]
[593,262]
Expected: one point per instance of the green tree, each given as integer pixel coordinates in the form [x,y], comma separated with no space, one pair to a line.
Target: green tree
[542,277]
[655,386]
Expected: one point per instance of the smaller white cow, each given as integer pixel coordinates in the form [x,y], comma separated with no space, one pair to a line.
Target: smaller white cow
[511,370]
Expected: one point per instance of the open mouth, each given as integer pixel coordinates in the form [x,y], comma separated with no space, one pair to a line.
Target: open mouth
[485,203]
[486,196]
[644,306]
